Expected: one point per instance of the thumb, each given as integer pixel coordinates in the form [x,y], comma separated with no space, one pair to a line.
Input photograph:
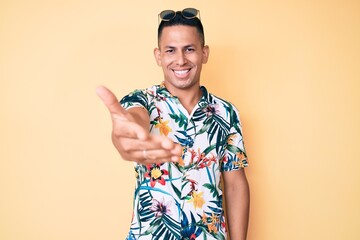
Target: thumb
[111,102]
[131,128]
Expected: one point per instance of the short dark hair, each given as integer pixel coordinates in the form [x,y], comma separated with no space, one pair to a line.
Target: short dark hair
[179,19]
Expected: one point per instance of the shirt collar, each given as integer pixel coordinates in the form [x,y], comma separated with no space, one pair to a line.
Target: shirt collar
[204,99]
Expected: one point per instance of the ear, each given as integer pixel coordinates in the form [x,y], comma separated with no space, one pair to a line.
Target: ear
[157,55]
[206,52]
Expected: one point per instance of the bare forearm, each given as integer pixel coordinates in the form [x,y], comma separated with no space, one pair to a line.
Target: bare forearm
[237,197]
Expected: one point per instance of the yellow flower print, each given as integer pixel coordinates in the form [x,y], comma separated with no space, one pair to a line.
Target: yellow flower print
[240,155]
[212,228]
[240,164]
[204,218]
[156,173]
[163,127]
[214,218]
[197,199]
[181,162]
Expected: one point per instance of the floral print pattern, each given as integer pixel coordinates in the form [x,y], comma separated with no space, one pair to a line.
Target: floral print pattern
[155,174]
[183,200]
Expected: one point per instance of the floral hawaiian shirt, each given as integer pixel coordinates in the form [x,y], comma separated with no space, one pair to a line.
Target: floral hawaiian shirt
[183,200]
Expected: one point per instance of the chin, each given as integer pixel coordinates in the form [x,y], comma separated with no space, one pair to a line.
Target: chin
[185,85]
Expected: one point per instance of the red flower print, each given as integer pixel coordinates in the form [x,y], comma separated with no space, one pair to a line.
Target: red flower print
[155,174]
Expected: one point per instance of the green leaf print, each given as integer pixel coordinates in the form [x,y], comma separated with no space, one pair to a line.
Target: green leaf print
[164,226]
[180,119]
[144,212]
[212,189]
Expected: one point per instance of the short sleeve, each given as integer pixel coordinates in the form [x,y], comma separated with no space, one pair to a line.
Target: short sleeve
[137,98]
[235,154]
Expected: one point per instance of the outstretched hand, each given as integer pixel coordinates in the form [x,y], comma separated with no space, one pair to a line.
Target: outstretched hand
[131,137]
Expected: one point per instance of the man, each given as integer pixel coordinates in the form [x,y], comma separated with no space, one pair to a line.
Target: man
[186,142]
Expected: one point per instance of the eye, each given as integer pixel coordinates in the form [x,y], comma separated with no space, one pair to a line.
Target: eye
[190,49]
[169,51]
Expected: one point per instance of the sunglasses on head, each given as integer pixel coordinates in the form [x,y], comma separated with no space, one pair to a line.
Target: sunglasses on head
[188,13]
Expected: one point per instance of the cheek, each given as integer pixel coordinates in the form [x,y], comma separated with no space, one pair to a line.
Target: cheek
[165,61]
[197,60]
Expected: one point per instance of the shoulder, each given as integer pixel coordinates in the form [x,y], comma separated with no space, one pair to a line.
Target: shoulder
[223,104]
[145,92]
[140,97]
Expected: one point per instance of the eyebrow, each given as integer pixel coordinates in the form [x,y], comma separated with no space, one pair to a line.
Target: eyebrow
[186,46]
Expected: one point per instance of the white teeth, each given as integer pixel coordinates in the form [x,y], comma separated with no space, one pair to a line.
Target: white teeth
[181,72]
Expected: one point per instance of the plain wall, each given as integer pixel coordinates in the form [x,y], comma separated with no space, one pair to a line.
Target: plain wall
[291,67]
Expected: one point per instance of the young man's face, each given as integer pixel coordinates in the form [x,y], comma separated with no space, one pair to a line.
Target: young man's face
[181,55]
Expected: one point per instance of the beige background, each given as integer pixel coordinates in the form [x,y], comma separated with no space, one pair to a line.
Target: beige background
[291,67]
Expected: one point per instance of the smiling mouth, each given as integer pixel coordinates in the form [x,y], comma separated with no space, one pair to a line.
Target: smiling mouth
[181,73]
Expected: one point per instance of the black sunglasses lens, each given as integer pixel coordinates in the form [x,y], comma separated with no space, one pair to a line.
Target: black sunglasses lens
[167,15]
[189,12]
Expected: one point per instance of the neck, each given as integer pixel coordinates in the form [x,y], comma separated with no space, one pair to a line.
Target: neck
[189,101]
[187,97]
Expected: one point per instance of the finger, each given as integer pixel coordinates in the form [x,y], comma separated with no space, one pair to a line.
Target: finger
[174,148]
[157,161]
[129,131]
[133,149]
[155,155]
[121,125]
[177,150]
[111,102]
[153,142]
[146,157]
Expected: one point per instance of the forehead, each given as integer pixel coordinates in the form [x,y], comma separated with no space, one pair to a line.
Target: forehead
[179,34]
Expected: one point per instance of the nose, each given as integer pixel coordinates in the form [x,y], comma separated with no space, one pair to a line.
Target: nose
[181,58]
